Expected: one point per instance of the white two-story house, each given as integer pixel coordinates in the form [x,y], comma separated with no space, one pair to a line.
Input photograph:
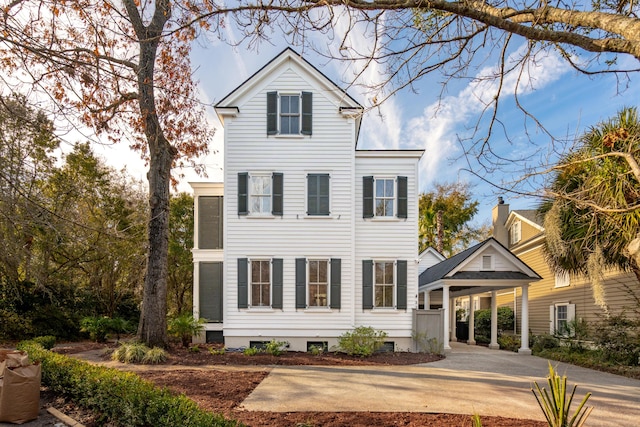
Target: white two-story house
[309,236]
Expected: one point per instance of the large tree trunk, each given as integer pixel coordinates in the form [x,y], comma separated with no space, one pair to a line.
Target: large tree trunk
[152,329]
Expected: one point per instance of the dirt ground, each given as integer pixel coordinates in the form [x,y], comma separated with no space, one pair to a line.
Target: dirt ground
[223,392]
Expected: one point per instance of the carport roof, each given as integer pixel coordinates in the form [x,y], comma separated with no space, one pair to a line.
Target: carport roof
[447,268]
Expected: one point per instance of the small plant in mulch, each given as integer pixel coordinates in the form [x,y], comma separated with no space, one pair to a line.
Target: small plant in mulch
[276,348]
[186,326]
[136,352]
[250,351]
[363,341]
[217,351]
[316,350]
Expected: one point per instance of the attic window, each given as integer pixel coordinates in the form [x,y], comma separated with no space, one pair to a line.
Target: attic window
[487,263]
[289,113]
[515,232]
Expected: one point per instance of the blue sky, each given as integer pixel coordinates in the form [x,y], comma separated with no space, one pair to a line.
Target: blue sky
[563,100]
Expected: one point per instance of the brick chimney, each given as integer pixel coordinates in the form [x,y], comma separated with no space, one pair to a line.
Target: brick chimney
[499,216]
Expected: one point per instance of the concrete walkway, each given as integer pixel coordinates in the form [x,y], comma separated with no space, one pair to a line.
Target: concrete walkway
[470,380]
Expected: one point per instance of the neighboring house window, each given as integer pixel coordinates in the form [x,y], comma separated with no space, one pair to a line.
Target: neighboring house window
[289,113]
[561,318]
[318,284]
[515,232]
[562,280]
[384,197]
[260,283]
[210,222]
[487,263]
[260,194]
[318,194]
[384,284]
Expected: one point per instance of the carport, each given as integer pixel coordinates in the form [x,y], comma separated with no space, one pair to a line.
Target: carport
[484,268]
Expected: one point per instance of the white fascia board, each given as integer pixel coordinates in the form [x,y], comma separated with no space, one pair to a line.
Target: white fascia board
[514,215]
[433,252]
[503,251]
[389,154]
[207,188]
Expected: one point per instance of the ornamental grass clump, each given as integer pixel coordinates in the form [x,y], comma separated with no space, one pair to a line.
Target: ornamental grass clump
[555,405]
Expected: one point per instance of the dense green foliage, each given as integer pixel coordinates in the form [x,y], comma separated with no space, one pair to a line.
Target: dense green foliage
[593,211]
[482,320]
[180,274]
[363,341]
[454,200]
[71,232]
[185,326]
[120,397]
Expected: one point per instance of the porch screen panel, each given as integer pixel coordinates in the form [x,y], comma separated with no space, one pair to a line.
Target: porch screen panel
[210,291]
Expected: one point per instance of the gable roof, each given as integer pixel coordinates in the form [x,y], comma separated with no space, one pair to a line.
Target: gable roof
[451,268]
[531,216]
[348,105]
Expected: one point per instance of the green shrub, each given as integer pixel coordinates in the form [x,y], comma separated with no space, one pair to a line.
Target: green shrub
[217,351]
[194,349]
[154,356]
[544,341]
[363,341]
[619,339]
[482,320]
[122,398]
[509,342]
[186,326]
[96,327]
[556,406]
[275,348]
[251,351]
[316,350]
[47,341]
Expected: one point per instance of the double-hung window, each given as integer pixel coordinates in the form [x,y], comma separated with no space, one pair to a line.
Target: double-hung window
[384,197]
[515,232]
[318,194]
[260,193]
[384,285]
[260,283]
[289,113]
[318,283]
[561,317]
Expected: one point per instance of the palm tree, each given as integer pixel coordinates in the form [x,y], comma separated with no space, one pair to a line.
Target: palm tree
[592,211]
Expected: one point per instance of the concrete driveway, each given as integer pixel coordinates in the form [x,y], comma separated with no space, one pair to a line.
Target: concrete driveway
[470,380]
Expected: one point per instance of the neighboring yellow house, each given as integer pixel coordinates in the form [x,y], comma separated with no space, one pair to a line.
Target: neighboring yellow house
[556,299]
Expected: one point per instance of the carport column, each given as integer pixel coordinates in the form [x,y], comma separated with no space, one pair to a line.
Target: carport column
[494,321]
[524,323]
[427,300]
[472,332]
[445,305]
[454,318]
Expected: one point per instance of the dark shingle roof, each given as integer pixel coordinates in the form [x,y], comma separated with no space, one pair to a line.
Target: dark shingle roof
[490,275]
[441,269]
[532,215]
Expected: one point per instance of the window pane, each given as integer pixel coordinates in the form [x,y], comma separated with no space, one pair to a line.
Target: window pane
[294,125]
[255,271]
[313,185]
[313,271]
[265,295]
[255,295]
[324,185]
[294,104]
[266,204]
[324,205]
[284,104]
[379,272]
[388,273]
[388,188]
[388,210]
[388,296]
[379,207]
[322,271]
[379,188]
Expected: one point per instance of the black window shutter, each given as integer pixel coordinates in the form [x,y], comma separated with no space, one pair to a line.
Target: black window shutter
[402,197]
[276,275]
[336,278]
[401,297]
[272,113]
[243,283]
[301,283]
[307,106]
[243,196]
[367,197]
[276,207]
[367,284]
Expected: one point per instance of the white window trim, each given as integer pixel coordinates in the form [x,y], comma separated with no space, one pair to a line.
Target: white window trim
[515,232]
[268,175]
[562,280]
[306,195]
[298,135]
[395,285]
[492,267]
[250,290]
[318,307]
[393,217]
[569,319]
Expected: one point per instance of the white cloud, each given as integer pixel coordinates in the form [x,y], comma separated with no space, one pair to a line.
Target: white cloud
[436,130]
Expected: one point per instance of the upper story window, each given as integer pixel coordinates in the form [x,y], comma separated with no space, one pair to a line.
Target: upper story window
[384,197]
[289,113]
[318,194]
[515,232]
[260,193]
[562,280]
[210,222]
